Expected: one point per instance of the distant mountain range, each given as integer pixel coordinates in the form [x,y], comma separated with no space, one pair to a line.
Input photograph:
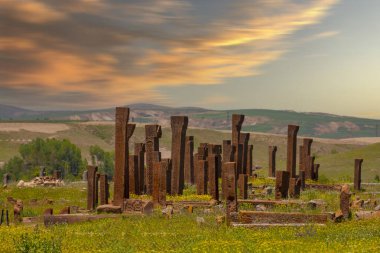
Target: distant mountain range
[259,120]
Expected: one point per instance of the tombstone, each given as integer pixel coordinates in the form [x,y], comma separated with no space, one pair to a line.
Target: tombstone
[250,160]
[121,177]
[295,187]
[189,160]
[244,139]
[156,182]
[202,167]
[140,153]
[306,152]
[167,165]
[6,179]
[91,187]
[309,167]
[302,179]
[201,155]
[57,174]
[179,127]
[228,151]
[42,171]
[239,161]
[358,174]
[301,162]
[84,175]
[237,122]
[165,174]
[282,184]
[345,197]
[133,174]
[104,189]
[48,211]
[213,184]
[316,171]
[243,186]
[272,161]
[2,217]
[216,149]
[97,176]
[292,150]
[152,135]
[230,193]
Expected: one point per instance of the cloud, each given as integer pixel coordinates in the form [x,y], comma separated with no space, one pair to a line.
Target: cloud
[117,52]
[322,35]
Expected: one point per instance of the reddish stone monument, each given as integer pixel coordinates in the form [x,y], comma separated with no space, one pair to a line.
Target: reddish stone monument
[243,186]
[309,167]
[140,152]
[228,151]
[121,156]
[91,187]
[133,174]
[282,184]
[294,187]
[104,189]
[292,150]
[152,135]
[358,174]
[244,139]
[272,161]
[230,194]
[202,167]
[189,160]
[237,122]
[250,160]
[213,165]
[179,127]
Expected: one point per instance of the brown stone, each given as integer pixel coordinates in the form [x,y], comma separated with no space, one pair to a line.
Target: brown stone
[244,139]
[189,160]
[133,174]
[301,162]
[166,164]
[91,187]
[140,152]
[302,179]
[358,174]
[57,174]
[316,171]
[48,211]
[272,161]
[104,189]
[294,187]
[250,160]
[121,180]
[213,183]
[179,127]
[6,179]
[309,167]
[138,206]
[282,184]
[237,122]
[108,209]
[247,217]
[228,151]
[17,211]
[292,150]
[156,182]
[50,220]
[239,161]
[230,193]
[65,210]
[97,176]
[159,182]
[202,167]
[345,197]
[243,186]
[152,135]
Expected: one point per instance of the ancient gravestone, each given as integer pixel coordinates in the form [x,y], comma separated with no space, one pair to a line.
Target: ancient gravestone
[239,161]
[97,176]
[121,176]
[302,179]
[292,150]
[84,175]
[309,167]
[294,187]
[57,174]
[179,127]
[345,197]
[91,187]
[166,164]
[272,161]
[358,174]
[104,189]
[133,174]
[250,160]
[140,152]
[282,184]
[228,152]
[202,167]
[48,211]
[244,139]
[237,122]
[156,182]
[316,171]
[189,160]
[243,186]
[6,179]
[304,162]
[201,155]
[230,193]
[42,171]
[216,149]
[159,182]
[301,162]
[213,165]
[152,135]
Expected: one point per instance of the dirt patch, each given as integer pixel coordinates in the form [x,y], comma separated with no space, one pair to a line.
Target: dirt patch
[48,128]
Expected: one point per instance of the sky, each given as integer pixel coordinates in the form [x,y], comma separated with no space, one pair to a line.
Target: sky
[302,55]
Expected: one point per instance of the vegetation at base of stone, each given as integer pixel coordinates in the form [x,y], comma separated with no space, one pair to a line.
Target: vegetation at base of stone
[52,154]
[104,160]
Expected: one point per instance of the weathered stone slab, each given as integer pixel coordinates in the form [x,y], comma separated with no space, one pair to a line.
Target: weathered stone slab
[237,122]
[244,139]
[121,180]
[104,189]
[272,161]
[282,184]
[292,150]
[42,171]
[189,160]
[213,183]
[358,174]
[152,135]
[156,182]
[159,182]
[57,174]
[91,187]
[239,161]
[247,217]
[267,202]
[345,197]
[243,186]
[250,160]
[108,209]
[6,179]
[294,187]
[202,167]
[228,151]
[65,210]
[309,169]
[166,165]
[50,220]
[230,194]
[48,211]
[133,174]
[316,171]
[138,206]
[302,179]
[140,152]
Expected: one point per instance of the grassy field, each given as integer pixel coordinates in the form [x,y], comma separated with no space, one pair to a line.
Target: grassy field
[181,233]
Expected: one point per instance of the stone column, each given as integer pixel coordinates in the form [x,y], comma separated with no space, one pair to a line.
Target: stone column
[282,184]
[316,171]
[301,160]
[121,156]
[189,160]
[250,160]
[295,187]
[309,167]
[57,174]
[358,174]
[213,186]
[152,135]
[156,182]
[292,150]
[140,152]
[228,151]
[6,179]
[306,152]
[345,197]
[133,174]
[165,173]
[104,189]
[91,187]
[230,189]
[167,164]
[179,127]
[237,122]
[272,161]
[244,139]
[202,167]
[302,179]
[243,186]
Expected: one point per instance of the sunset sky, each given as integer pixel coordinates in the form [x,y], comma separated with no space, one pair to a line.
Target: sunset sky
[303,55]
